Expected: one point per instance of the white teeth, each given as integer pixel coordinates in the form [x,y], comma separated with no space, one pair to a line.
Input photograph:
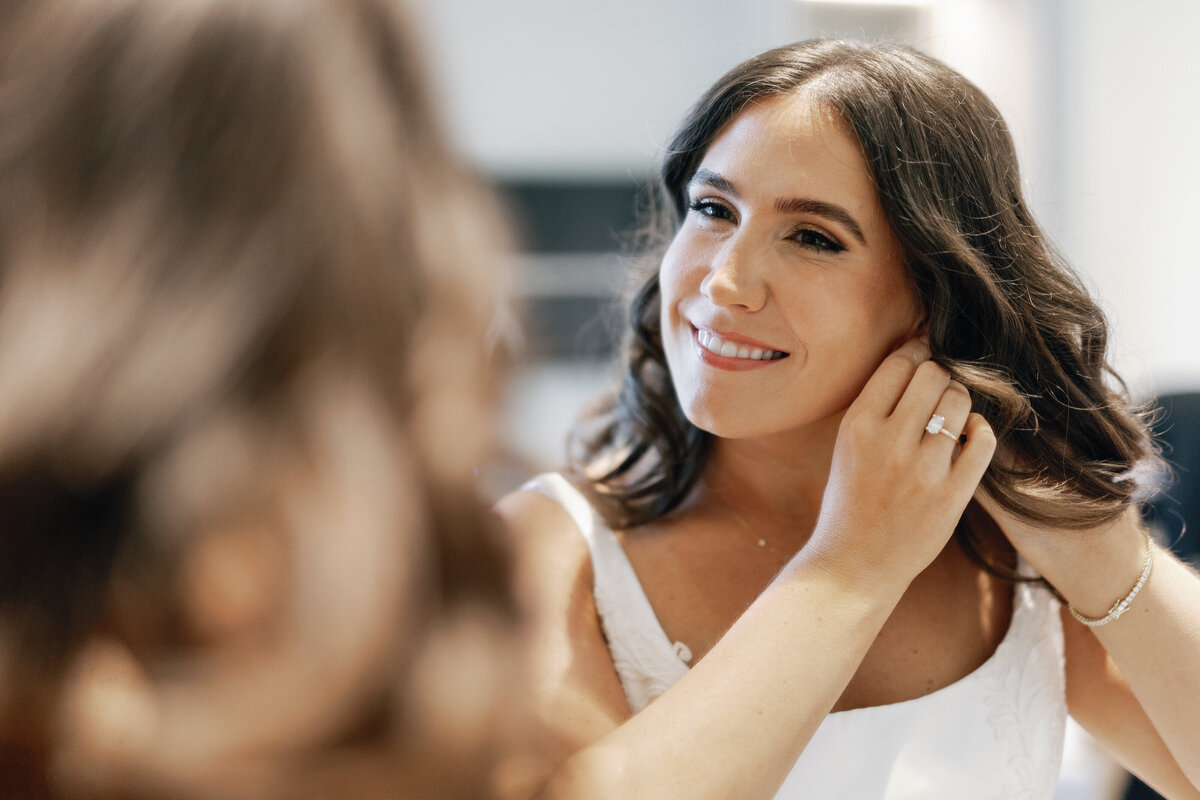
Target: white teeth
[713,343]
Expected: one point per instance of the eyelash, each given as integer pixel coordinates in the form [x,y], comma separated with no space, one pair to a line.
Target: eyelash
[708,207]
[825,242]
[803,235]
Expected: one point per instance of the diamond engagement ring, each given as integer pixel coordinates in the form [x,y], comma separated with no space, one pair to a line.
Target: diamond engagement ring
[936,423]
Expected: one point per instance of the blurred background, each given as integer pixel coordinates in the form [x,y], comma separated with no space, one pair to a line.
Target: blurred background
[566,106]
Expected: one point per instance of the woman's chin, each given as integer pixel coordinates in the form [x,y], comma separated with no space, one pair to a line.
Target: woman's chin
[727,425]
[742,424]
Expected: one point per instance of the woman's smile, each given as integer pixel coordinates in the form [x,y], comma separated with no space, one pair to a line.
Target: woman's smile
[732,352]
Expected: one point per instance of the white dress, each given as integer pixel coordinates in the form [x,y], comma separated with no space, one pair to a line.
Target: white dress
[993,735]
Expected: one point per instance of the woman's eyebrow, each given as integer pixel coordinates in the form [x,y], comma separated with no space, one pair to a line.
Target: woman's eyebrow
[792,205]
[807,205]
[706,177]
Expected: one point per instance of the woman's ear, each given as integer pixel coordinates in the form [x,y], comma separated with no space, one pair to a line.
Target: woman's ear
[920,326]
[919,329]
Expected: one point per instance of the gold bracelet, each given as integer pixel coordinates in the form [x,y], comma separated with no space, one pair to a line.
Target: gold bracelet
[1122,605]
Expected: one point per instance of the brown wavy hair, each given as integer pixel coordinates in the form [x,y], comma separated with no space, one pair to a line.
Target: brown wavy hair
[245,288]
[1006,315]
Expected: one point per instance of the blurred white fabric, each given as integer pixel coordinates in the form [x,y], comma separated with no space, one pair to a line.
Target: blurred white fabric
[1088,773]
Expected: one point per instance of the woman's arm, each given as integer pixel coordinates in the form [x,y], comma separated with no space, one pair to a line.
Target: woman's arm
[1134,682]
[736,723]
[732,727]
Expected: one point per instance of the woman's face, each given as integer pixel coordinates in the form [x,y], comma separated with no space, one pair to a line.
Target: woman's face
[784,288]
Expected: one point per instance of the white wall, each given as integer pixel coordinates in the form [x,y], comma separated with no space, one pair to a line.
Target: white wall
[1131,156]
[547,86]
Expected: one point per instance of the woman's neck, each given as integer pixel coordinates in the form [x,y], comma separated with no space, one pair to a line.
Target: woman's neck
[781,477]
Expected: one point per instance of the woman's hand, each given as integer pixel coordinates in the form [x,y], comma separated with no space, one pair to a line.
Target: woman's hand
[1132,682]
[895,491]
[1092,567]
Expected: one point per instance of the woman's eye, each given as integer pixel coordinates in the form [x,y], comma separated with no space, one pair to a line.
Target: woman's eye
[812,238]
[711,209]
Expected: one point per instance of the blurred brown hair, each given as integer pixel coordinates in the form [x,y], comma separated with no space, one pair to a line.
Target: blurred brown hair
[244,297]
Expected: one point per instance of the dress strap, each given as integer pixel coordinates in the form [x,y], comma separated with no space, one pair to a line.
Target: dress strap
[646,659]
[560,490]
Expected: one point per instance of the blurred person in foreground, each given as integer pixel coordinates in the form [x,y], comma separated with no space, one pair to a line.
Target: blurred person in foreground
[243,386]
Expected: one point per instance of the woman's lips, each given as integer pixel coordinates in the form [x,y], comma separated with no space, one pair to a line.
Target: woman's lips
[724,352]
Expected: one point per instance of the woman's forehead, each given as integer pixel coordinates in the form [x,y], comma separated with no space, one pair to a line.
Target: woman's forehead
[793,143]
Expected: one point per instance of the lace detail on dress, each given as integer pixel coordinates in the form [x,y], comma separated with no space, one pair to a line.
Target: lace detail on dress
[1026,697]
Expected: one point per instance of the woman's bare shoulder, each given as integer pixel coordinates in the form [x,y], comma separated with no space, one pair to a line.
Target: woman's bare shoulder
[552,563]
[538,522]
[576,695]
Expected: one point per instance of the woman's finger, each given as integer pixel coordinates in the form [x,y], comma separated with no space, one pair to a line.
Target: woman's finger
[921,397]
[949,419]
[891,379]
[979,446]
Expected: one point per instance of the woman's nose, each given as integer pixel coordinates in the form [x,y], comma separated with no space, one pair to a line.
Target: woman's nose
[735,278]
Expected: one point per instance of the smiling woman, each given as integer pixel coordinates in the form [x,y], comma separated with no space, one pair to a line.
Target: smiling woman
[807,548]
